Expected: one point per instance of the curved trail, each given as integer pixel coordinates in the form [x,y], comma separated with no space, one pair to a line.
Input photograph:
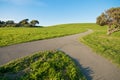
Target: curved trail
[93,66]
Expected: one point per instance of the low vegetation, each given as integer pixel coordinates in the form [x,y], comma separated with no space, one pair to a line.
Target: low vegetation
[9,36]
[48,65]
[105,45]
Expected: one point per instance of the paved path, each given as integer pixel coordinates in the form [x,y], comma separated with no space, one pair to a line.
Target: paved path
[93,66]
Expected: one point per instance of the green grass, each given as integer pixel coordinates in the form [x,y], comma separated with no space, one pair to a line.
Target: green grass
[107,46]
[47,65]
[101,43]
[9,36]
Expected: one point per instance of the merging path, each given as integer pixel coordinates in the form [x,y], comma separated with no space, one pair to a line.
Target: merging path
[93,66]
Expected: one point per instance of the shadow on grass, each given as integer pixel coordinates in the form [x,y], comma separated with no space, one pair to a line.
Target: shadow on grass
[86,71]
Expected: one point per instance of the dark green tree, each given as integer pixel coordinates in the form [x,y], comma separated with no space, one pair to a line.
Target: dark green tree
[111,18]
[34,22]
[10,23]
[2,23]
[24,22]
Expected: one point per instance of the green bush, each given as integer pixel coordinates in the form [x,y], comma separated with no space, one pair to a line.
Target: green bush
[48,65]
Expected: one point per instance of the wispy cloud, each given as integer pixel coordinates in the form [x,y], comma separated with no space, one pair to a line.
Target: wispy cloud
[25,2]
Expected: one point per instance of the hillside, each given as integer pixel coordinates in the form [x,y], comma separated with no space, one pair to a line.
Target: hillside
[9,36]
[105,45]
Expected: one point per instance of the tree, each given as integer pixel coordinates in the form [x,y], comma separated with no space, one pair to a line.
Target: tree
[111,18]
[101,20]
[24,22]
[9,23]
[2,23]
[34,22]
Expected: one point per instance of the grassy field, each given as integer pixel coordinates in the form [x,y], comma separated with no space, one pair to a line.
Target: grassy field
[107,46]
[9,36]
[48,65]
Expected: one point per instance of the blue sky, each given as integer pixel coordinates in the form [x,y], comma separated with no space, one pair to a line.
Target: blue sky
[52,12]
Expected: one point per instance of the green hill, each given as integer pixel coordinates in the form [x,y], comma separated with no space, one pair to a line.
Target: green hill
[108,46]
[9,36]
